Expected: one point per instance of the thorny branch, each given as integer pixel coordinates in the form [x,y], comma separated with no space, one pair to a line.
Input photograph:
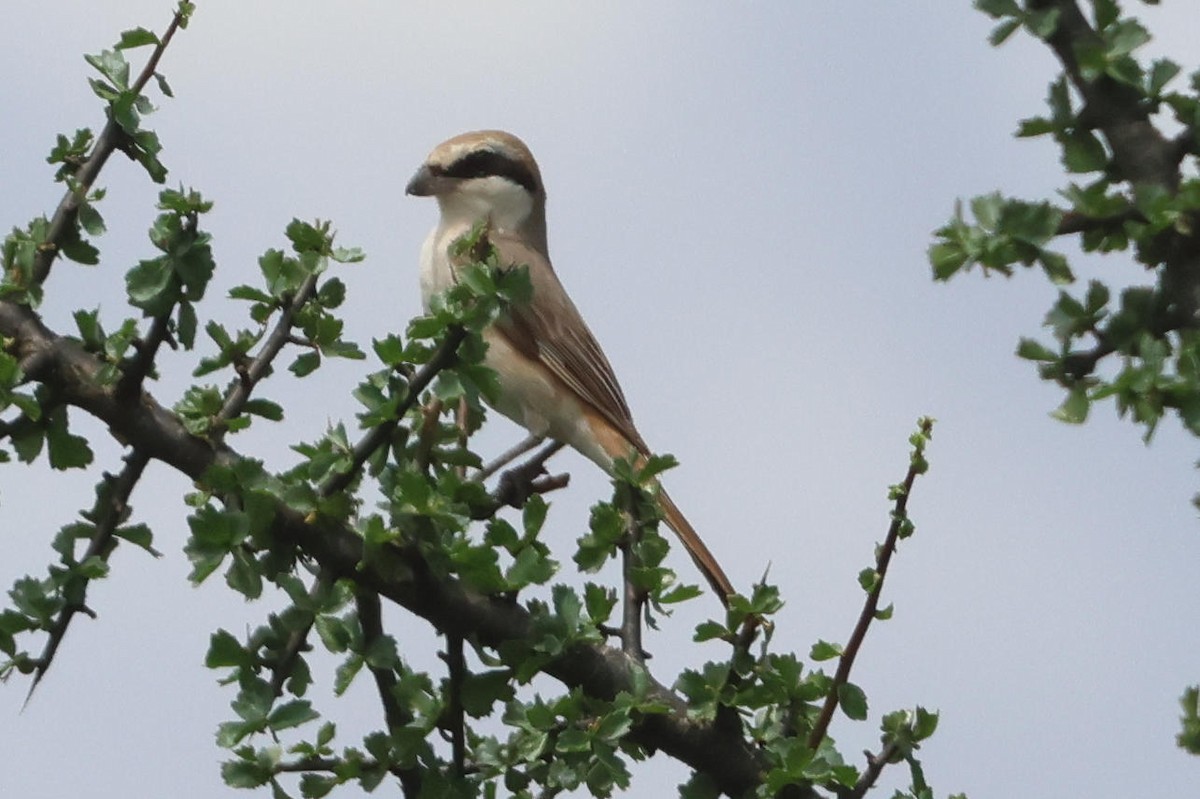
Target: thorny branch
[871,605]
[110,510]
[398,574]
[110,138]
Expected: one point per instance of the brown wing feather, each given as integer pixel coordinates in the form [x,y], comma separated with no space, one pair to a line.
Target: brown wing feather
[550,329]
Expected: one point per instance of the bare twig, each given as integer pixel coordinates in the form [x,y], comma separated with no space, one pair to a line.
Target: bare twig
[517,484]
[871,605]
[508,457]
[875,766]
[110,510]
[110,138]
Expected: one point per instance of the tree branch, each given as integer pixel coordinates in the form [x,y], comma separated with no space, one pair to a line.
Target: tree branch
[634,596]
[370,616]
[110,138]
[1141,154]
[456,667]
[138,367]
[110,510]
[400,575]
[239,391]
[871,606]
[380,434]
[1075,222]
[875,765]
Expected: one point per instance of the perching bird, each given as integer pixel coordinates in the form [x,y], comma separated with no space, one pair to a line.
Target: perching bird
[554,378]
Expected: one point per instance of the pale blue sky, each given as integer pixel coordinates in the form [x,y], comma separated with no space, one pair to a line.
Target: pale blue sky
[740,202]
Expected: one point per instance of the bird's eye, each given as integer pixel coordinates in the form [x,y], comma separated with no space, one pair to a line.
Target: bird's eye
[487,163]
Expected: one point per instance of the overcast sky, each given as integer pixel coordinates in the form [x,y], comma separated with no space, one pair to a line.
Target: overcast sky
[741,197]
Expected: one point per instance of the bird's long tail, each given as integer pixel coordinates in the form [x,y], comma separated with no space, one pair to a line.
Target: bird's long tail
[701,555]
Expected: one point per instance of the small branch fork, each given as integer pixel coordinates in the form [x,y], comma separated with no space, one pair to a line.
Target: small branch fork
[876,762]
[281,334]
[917,466]
[379,435]
[110,139]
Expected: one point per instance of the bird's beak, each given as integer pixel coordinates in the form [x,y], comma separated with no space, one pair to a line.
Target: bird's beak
[424,183]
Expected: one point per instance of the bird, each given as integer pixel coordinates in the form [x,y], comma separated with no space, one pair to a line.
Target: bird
[554,378]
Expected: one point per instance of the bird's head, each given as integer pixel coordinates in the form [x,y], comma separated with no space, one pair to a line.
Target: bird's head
[486,174]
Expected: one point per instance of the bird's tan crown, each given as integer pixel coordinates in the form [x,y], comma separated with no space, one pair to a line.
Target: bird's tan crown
[486,152]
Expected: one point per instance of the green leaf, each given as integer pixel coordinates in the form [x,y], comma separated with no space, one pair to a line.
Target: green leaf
[244,575]
[185,325]
[163,86]
[264,408]
[1189,737]
[1162,72]
[139,535]
[224,651]
[316,786]
[1056,268]
[1003,31]
[112,65]
[1042,24]
[998,8]
[306,237]
[66,451]
[531,567]
[147,285]
[292,714]
[710,631]
[1074,409]
[244,773]
[389,350]
[90,219]
[332,293]
[306,363]
[1084,152]
[1032,350]
[480,692]
[80,251]
[925,725]
[823,650]
[853,701]
[136,37]
[599,602]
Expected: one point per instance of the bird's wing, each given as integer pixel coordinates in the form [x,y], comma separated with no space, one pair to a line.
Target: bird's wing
[550,330]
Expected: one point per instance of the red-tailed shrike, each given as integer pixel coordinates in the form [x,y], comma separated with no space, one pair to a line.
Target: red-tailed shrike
[554,378]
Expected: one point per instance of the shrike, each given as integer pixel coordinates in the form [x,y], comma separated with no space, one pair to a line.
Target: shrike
[554,378]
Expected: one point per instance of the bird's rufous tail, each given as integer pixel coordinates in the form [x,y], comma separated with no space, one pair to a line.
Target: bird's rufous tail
[701,555]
